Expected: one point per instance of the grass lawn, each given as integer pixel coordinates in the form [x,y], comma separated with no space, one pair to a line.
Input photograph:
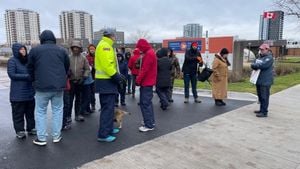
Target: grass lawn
[280,83]
[290,60]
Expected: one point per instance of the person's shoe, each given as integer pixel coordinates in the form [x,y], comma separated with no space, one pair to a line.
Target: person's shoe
[171,100]
[93,108]
[145,129]
[163,108]
[57,140]
[107,139]
[32,132]
[79,118]
[261,115]
[21,135]
[186,100]
[218,103]
[123,104]
[138,103]
[197,100]
[257,112]
[39,142]
[223,103]
[67,127]
[115,131]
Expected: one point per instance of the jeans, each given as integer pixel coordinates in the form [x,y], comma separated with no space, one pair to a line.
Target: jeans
[41,101]
[21,109]
[86,98]
[163,96]
[146,95]
[263,93]
[187,79]
[107,102]
[128,83]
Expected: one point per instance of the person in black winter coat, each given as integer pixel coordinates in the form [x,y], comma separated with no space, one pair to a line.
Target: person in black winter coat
[48,65]
[192,60]
[163,82]
[21,91]
[123,68]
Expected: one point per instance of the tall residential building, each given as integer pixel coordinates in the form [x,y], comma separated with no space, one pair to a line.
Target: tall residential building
[76,25]
[192,31]
[22,26]
[120,37]
[271,25]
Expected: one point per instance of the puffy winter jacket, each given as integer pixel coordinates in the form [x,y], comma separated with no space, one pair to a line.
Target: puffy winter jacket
[21,88]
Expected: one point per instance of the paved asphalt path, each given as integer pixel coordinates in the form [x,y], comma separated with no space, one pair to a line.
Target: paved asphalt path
[79,144]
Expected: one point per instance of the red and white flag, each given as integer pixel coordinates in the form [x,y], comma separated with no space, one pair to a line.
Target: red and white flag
[269,15]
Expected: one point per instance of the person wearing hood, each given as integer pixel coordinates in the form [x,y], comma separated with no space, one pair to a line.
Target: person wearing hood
[146,80]
[175,73]
[21,92]
[48,66]
[91,59]
[108,79]
[192,59]
[220,77]
[133,68]
[264,63]
[79,71]
[163,83]
[123,68]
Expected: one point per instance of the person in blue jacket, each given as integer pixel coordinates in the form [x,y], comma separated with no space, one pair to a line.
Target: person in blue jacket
[21,92]
[123,68]
[264,63]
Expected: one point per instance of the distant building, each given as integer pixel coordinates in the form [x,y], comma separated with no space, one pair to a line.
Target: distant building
[120,37]
[76,25]
[192,31]
[271,25]
[22,26]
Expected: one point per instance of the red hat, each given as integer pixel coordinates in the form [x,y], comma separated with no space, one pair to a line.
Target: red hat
[194,44]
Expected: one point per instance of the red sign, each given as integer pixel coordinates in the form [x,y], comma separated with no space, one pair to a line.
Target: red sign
[269,15]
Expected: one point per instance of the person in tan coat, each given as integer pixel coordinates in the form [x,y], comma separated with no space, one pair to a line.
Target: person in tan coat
[220,77]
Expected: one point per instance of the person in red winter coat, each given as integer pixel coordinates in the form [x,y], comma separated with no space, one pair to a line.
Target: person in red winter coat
[133,68]
[146,80]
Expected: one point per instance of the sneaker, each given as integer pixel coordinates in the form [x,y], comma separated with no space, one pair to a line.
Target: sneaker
[67,127]
[115,131]
[145,129]
[32,132]
[186,100]
[171,100]
[57,140]
[21,135]
[197,100]
[107,139]
[79,118]
[39,142]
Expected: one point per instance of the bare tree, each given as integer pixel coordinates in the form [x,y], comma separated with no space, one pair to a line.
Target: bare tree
[134,37]
[290,7]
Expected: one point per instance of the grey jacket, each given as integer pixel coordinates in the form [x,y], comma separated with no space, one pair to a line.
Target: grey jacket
[79,67]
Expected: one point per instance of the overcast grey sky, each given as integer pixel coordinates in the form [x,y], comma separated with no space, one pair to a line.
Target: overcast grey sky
[162,18]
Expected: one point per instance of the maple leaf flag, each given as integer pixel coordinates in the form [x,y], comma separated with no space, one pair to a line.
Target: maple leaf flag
[269,15]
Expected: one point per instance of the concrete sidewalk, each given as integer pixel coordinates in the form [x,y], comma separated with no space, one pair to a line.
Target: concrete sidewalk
[235,140]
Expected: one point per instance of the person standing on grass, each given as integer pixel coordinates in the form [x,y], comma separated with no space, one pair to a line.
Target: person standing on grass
[220,77]
[264,63]
[48,66]
[21,92]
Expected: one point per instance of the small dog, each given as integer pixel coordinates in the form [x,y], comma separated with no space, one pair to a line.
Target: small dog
[119,114]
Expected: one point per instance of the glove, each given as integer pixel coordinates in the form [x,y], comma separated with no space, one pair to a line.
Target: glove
[119,79]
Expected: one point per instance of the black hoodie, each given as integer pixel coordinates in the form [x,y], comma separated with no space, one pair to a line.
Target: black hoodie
[48,64]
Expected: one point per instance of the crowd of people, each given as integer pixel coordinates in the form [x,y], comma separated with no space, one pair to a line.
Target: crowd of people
[49,74]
